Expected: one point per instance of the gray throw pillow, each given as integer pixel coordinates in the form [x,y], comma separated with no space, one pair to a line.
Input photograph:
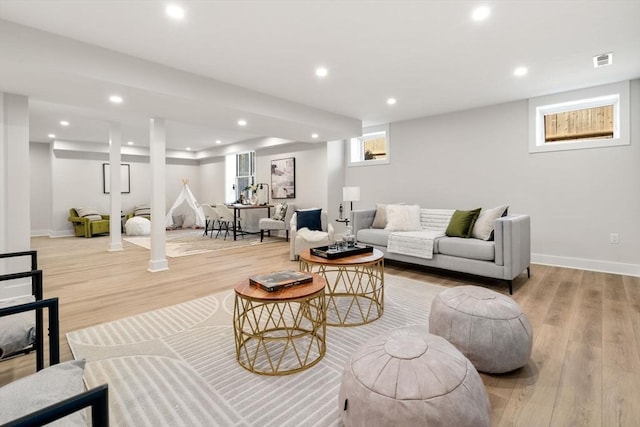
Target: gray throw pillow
[18,330]
[44,388]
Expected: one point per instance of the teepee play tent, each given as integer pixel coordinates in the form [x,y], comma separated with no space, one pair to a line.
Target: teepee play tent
[185,212]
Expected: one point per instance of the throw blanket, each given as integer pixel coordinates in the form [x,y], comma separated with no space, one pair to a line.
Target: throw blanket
[413,243]
[312,235]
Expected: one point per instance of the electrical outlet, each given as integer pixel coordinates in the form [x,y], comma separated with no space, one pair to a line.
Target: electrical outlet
[614,238]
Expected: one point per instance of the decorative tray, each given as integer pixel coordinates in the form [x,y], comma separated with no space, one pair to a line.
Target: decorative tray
[325,252]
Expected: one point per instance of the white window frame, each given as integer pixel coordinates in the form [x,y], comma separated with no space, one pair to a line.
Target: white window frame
[356,146]
[616,94]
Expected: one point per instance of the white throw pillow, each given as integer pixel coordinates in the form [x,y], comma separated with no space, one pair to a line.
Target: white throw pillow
[87,212]
[483,227]
[403,218]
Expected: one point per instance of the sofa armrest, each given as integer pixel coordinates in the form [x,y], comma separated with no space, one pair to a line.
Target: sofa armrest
[362,218]
[78,219]
[513,244]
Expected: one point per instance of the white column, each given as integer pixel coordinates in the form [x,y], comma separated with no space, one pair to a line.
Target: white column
[15,223]
[115,199]
[157,154]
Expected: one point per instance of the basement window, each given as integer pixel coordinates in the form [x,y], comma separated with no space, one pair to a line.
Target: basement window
[587,118]
[370,148]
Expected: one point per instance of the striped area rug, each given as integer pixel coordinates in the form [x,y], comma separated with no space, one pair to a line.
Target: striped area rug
[177,366]
[185,242]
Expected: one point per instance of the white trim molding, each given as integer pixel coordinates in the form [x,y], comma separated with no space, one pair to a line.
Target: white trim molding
[616,94]
[587,264]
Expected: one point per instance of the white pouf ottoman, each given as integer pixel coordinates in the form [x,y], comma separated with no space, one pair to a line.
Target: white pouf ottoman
[487,327]
[408,377]
[137,226]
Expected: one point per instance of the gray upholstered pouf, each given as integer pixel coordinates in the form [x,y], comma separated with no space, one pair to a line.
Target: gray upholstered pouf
[411,378]
[487,327]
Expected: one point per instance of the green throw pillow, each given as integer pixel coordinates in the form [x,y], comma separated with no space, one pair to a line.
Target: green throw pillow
[462,222]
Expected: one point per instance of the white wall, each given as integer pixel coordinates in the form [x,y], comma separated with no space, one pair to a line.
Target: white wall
[40,188]
[311,171]
[63,181]
[211,178]
[77,182]
[480,158]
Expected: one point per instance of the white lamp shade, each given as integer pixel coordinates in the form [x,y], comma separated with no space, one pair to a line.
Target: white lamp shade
[350,194]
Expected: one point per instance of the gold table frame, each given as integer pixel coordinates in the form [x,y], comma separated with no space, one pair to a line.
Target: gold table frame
[356,294]
[282,332]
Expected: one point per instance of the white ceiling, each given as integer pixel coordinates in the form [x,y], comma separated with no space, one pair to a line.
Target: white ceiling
[430,55]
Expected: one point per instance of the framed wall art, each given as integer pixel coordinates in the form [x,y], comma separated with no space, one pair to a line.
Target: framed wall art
[283,178]
[125,178]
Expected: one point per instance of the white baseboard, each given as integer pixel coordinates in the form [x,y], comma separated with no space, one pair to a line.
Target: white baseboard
[587,264]
[57,233]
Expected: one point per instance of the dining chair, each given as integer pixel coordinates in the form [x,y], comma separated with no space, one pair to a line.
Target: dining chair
[228,221]
[212,220]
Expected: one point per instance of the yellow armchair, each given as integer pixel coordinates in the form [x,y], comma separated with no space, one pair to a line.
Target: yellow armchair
[88,224]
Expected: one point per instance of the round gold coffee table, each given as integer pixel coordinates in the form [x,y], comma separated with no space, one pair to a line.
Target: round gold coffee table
[281,332]
[355,286]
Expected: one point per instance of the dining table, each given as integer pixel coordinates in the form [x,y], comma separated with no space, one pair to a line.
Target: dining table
[238,207]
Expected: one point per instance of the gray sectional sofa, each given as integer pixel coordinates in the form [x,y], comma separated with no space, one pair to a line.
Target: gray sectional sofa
[505,257]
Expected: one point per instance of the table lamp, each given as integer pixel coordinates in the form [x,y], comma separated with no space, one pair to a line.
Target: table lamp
[351,194]
[261,186]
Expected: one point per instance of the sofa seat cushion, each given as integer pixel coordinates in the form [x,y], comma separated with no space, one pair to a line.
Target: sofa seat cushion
[44,388]
[373,236]
[467,248]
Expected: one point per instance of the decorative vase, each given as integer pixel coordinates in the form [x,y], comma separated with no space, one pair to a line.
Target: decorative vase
[349,237]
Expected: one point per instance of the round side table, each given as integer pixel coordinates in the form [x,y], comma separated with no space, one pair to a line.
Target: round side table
[355,286]
[281,332]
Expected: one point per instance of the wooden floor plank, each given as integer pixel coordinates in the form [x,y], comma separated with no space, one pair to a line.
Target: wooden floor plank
[578,318]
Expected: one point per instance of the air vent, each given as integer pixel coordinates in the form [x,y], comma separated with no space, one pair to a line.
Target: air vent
[602,60]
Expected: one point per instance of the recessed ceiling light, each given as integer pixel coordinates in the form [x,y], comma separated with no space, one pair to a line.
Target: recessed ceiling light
[391,101]
[242,122]
[52,135]
[188,148]
[218,141]
[314,135]
[520,71]
[602,60]
[130,143]
[480,13]
[174,11]
[322,72]
[64,123]
[116,99]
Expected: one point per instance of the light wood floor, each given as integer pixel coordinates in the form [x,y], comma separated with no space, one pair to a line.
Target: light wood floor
[584,371]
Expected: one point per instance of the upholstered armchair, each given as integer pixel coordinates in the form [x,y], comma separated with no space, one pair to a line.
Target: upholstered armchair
[277,221]
[51,393]
[87,222]
[314,230]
